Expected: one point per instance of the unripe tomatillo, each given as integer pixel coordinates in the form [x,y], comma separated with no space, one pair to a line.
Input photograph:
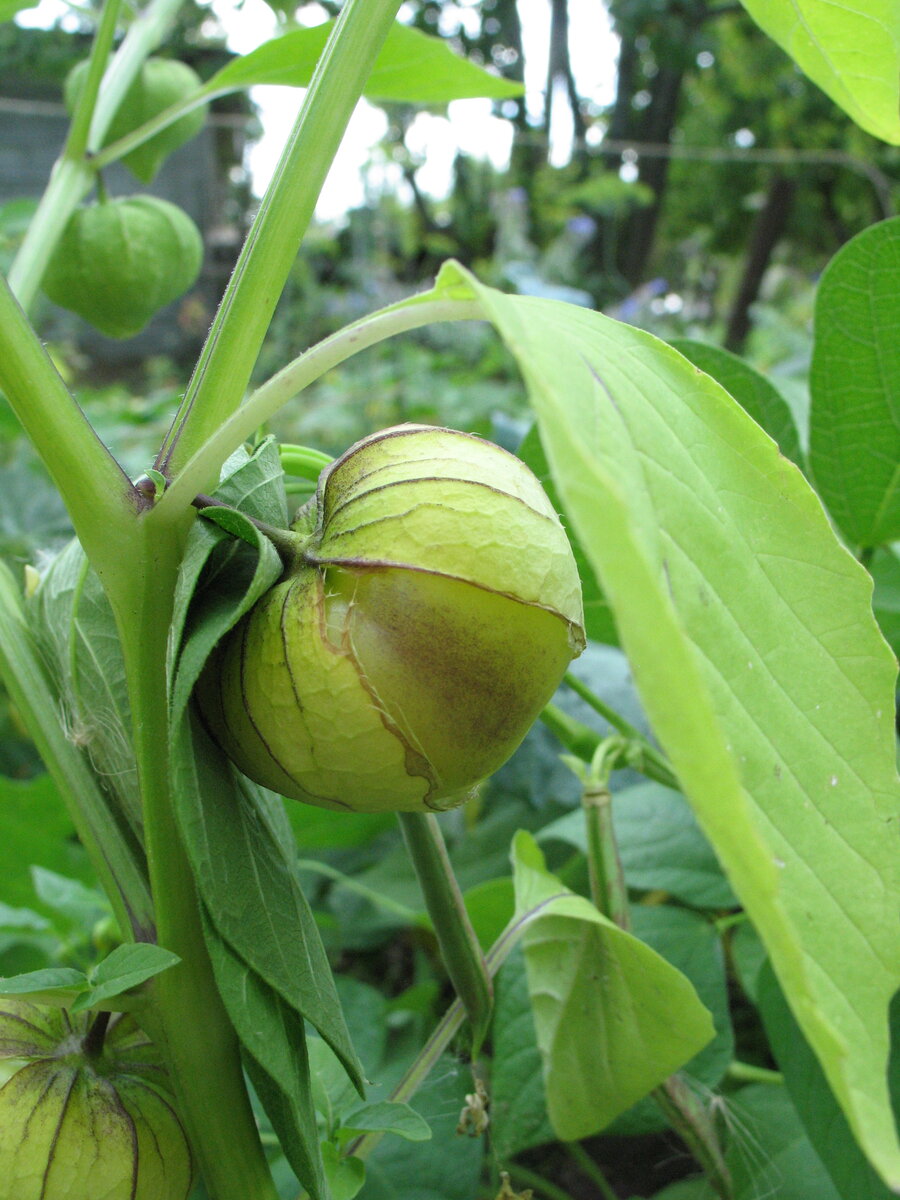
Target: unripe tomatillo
[430,612]
[120,261]
[85,1116]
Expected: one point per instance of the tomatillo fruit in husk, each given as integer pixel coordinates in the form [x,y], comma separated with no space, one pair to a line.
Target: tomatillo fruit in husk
[120,261]
[430,612]
[85,1116]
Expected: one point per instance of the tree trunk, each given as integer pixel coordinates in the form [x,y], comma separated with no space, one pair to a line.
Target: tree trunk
[640,228]
[764,236]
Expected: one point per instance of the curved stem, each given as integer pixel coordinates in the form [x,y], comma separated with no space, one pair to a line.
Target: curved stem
[201,470]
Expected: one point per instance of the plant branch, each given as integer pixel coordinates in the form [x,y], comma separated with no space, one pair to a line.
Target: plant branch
[101,499]
[240,325]
[186,1014]
[459,946]
[77,140]
[200,472]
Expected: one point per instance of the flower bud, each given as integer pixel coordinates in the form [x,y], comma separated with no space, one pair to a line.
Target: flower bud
[431,611]
[78,1119]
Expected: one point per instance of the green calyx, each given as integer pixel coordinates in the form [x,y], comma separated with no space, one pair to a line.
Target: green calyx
[86,1116]
[431,613]
[120,261]
[160,83]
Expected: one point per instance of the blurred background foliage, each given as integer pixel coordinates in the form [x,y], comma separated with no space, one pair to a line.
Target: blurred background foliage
[702,202]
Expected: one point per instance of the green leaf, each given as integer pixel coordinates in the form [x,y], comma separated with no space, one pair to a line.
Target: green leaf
[53,985]
[412,68]
[825,1124]
[9,8]
[750,634]
[387,1116]
[752,390]
[74,624]
[518,1108]
[660,844]
[446,1168]
[81,906]
[36,830]
[234,835]
[598,619]
[124,968]
[345,1175]
[613,1019]
[770,1154]
[854,393]
[885,570]
[273,1037]
[852,51]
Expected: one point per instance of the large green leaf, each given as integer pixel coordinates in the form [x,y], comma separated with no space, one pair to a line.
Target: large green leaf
[36,830]
[273,1037]
[825,1124]
[412,68]
[750,634]
[885,569]
[851,50]
[598,620]
[854,420]
[752,390]
[75,626]
[613,1019]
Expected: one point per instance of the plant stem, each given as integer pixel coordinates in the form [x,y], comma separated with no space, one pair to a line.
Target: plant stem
[204,465]
[459,946]
[690,1120]
[683,1110]
[649,761]
[77,141]
[583,741]
[217,386]
[98,494]
[96,1035]
[743,1072]
[538,1183]
[186,1011]
[608,890]
[588,1167]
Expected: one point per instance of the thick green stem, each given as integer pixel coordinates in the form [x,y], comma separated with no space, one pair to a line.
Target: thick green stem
[187,1013]
[459,946]
[100,497]
[217,386]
